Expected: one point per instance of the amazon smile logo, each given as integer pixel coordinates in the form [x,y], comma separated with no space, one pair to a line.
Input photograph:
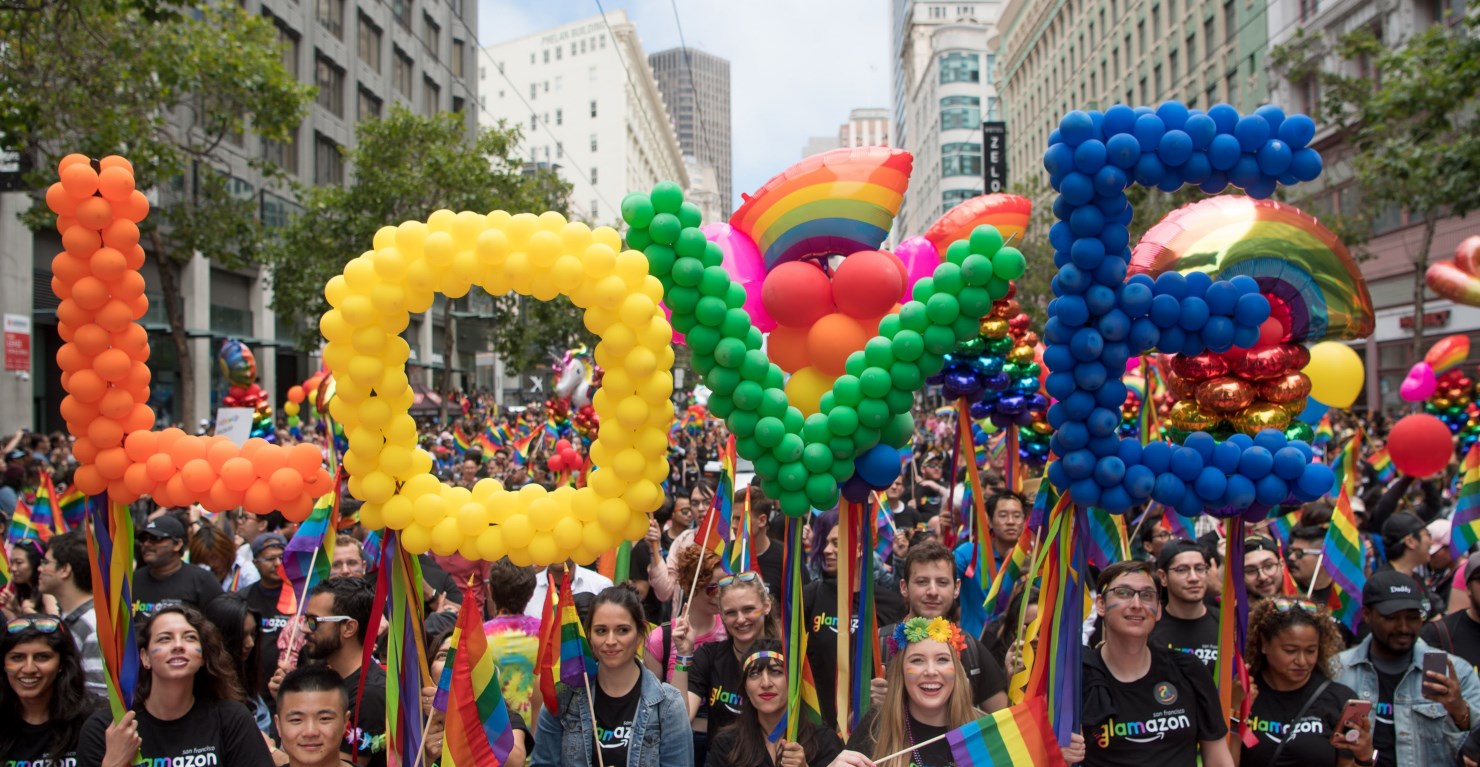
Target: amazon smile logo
[1149,731]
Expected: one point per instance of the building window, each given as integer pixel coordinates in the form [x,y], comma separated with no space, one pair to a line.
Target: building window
[284,154]
[960,113]
[401,9]
[595,211]
[1141,38]
[994,113]
[458,54]
[990,74]
[1191,51]
[328,164]
[1307,9]
[370,37]
[593,142]
[593,176]
[278,211]
[961,159]
[559,150]
[1208,38]
[1310,96]
[431,96]
[1232,78]
[546,53]
[1172,65]
[960,68]
[330,80]
[1229,30]
[431,35]
[534,90]
[593,107]
[1156,82]
[370,106]
[533,123]
[953,197]
[288,39]
[401,73]
[1156,21]
[331,15]
[560,117]
[458,104]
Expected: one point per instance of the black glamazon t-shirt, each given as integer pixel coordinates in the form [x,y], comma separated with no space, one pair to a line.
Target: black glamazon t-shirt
[937,754]
[32,748]
[1456,633]
[190,585]
[614,722]
[1197,637]
[1384,740]
[986,675]
[716,677]
[213,734]
[363,739]
[1157,720]
[1272,719]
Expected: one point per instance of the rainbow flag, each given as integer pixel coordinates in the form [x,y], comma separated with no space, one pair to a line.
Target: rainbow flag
[478,731]
[1107,538]
[1013,737]
[1280,527]
[577,664]
[1382,463]
[1061,564]
[46,497]
[548,658]
[1176,524]
[802,700]
[72,506]
[5,566]
[523,447]
[461,440]
[406,653]
[1343,558]
[488,440]
[1465,532]
[735,528]
[110,544]
[1345,467]
[1324,432]
[26,522]
[309,553]
[1008,575]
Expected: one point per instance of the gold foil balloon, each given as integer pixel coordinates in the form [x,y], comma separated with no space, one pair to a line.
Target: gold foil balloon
[1187,416]
[994,327]
[1263,415]
[1442,403]
[1021,354]
[1286,388]
[1224,395]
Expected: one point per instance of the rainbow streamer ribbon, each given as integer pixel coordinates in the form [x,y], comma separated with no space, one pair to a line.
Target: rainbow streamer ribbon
[1013,737]
[1465,532]
[406,652]
[866,664]
[1233,622]
[801,696]
[1055,675]
[478,730]
[110,545]
[1343,558]
[310,552]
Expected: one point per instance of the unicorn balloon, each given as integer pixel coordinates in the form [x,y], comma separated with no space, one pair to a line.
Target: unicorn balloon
[577,376]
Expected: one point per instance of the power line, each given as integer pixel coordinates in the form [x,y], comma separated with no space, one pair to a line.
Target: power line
[628,70]
[693,89]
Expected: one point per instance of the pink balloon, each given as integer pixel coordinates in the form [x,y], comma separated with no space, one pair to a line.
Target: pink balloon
[920,259]
[745,266]
[1133,364]
[1419,385]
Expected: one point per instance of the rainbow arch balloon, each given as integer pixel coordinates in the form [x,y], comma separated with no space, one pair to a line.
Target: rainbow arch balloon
[1287,251]
[842,201]
[1008,212]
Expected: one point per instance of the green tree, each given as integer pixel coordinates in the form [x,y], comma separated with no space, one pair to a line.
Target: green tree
[1409,120]
[172,88]
[405,168]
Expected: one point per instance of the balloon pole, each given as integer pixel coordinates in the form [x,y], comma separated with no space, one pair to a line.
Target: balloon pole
[1311,589]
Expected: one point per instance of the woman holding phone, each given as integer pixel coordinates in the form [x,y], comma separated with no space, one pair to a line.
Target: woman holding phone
[1299,715]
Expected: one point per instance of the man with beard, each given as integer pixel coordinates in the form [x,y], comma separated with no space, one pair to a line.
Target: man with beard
[1419,717]
[1007,516]
[1263,573]
[334,624]
[165,578]
[1188,625]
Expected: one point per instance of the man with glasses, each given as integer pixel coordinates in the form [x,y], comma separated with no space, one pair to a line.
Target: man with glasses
[1419,717]
[1188,625]
[1263,573]
[266,597]
[165,578]
[335,622]
[1007,517]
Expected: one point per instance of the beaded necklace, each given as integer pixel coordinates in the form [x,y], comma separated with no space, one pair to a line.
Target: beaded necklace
[917,761]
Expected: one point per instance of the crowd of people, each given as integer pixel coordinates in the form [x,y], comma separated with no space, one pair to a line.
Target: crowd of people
[691,663]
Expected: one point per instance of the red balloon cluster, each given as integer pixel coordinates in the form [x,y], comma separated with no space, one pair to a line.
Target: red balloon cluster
[558,409]
[246,396]
[586,422]
[566,458]
[1243,390]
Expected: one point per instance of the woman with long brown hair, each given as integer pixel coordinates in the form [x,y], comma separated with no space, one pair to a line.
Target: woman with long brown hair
[189,706]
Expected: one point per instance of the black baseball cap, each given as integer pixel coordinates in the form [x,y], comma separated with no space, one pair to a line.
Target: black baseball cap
[1260,543]
[1389,591]
[265,541]
[1399,526]
[1175,548]
[165,526]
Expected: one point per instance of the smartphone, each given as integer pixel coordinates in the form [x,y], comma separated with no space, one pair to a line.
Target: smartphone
[1355,710]
[1438,662]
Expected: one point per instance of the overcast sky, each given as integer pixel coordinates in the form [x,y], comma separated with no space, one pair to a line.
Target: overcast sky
[797,67]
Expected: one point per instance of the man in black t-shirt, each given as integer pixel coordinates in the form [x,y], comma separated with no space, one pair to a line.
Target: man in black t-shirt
[1187,625]
[335,622]
[165,578]
[1458,633]
[265,596]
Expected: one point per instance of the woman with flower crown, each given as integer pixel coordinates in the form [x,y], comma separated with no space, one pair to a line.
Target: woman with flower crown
[928,696]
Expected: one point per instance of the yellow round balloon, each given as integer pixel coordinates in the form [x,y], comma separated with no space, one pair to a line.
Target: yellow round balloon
[1336,374]
[539,256]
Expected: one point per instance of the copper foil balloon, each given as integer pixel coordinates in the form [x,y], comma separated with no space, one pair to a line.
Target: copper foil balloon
[1224,395]
[1200,367]
[1263,364]
[1264,415]
[1186,415]
[1292,386]
[1178,387]
[1299,356]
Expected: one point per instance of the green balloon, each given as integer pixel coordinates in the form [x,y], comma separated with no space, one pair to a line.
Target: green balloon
[794,504]
[815,428]
[766,465]
[1009,263]
[721,406]
[907,345]
[770,487]
[975,345]
[748,448]
[639,239]
[889,326]
[899,431]
[942,309]
[842,449]
[793,419]
[637,210]
[691,243]
[874,383]
[877,352]
[976,270]
[735,324]
[730,352]
[948,279]
[825,405]
[939,339]
[755,366]
[905,376]
[769,431]
[667,197]
[753,338]
[682,300]
[842,469]
[713,255]
[864,438]
[822,491]
[855,364]
[957,251]
[842,420]
[975,302]
[790,449]
[847,391]
[714,282]
[998,288]
[930,364]
[923,289]
[691,215]
[723,380]
[703,339]
[710,311]
[775,379]
[735,296]
[793,476]
[742,423]
[665,228]
[684,322]
[986,240]
[999,346]
[748,395]
[773,404]
[817,458]
[874,413]
[701,363]
[966,328]
[900,401]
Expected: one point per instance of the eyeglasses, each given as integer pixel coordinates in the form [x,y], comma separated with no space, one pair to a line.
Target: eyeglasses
[1126,594]
[1161,535]
[1286,604]
[1268,568]
[150,540]
[311,622]
[730,580]
[1183,570]
[44,625]
[1299,553]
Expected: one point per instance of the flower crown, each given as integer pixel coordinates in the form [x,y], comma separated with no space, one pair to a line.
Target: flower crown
[920,629]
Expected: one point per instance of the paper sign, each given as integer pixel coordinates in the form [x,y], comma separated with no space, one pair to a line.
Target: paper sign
[17,342]
[234,423]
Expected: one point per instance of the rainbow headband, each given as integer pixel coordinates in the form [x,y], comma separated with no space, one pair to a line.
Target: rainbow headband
[760,655]
[920,629]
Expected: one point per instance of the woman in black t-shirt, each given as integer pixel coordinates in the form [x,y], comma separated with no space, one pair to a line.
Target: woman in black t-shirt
[189,705]
[1292,650]
[44,699]
[712,674]
[752,740]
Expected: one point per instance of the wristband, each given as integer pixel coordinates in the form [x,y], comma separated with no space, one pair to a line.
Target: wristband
[683,658]
[680,667]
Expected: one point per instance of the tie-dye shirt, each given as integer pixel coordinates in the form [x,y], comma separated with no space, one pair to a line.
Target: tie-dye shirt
[515,643]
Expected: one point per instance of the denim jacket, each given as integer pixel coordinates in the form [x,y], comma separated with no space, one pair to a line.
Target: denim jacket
[1425,734]
[661,733]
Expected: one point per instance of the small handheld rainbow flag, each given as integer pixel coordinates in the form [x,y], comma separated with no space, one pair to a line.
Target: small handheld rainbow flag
[577,664]
[461,439]
[1343,558]
[1465,532]
[1007,577]
[523,447]
[26,523]
[1324,433]
[1013,737]
[1107,538]
[72,505]
[310,551]
[477,731]
[46,498]
[1382,463]
[802,700]
[1176,524]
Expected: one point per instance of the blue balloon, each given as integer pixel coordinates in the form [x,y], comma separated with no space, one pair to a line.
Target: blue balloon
[1169,489]
[1059,236]
[1202,443]
[1226,457]
[1123,151]
[1304,448]
[1240,493]
[1079,405]
[1057,475]
[1288,463]
[1191,505]
[1100,299]
[1218,334]
[1201,129]
[1109,471]
[1157,457]
[1079,464]
[1275,157]
[1149,130]
[879,466]
[1077,189]
[856,489]
[1193,344]
[1139,482]
[1085,491]
[1297,131]
[1197,168]
[1314,410]
[1059,159]
[1171,182]
[1116,237]
[1173,114]
[1271,490]
[1149,170]
[1076,127]
[1221,297]
[1225,116]
[1306,164]
[1103,422]
[1242,440]
[1165,311]
[1112,395]
[1210,484]
[1115,325]
[1103,446]
[1111,272]
[1072,311]
[1110,180]
[1251,131]
[1272,114]
[1089,156]
[1251,310]
[1261,189]
[1171,284]
[1217,182]
[1186,464]
[1255,462]
[1135,299]
[1172,340]
[1144,335]
[1087,222]
[1223,152]
[1316,481]
[1129,451]
[1073,279]
[1194,314]
[1198,283]
[1176,147]
[1090,375]
[1115,500]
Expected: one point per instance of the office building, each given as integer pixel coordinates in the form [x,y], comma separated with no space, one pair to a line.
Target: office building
[696,88]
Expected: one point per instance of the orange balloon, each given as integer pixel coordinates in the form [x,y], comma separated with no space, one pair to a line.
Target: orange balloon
[71,358]
[831,339]
[787,347]
[128,287]
[69,312]
[186,449]
[79,180]
[238,474]
[176,491]
[75,410]
[66,222]
[116,404]
[197,476]
[116,184]
[223,498]
[317,484]
[65,331]
[167,440]
[79,243]
[258,499]
[251,446]
[90,293]
[95,212]
[61,289]
[122,234]
[137,307]
[105,433]
[113,365]
[134,341]
[305,459]
[84,450]
[91,339]
[114,161]
[59,201]
[219,451]
[139,445]
[142,417]
[88,480]
[267,460]
[286,484]
[108,264]
[87,386]
[297,509]
[135,256]
[111,463]
[139,376]
[114,316]
[73,159]
[295,394]
[118,491]
[136,478]
[135,208]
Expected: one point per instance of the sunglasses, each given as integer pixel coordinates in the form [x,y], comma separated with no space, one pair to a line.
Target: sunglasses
[1286,604]
[311,622]
[730,580]
[44,625]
